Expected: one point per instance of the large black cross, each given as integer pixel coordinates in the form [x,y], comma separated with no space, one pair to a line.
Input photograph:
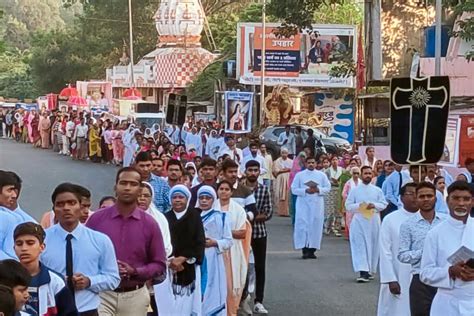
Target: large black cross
[419,113]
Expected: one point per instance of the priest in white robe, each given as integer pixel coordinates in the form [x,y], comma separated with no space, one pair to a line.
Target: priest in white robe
[218,231]
[366,201]
[309,185]
[395,277]
[452,276]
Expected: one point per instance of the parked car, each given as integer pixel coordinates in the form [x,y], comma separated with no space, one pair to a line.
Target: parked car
[332,145]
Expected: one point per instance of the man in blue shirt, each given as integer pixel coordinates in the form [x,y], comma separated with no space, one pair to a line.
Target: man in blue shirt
[391,189]
[86,257]
[144,165]
[9,191]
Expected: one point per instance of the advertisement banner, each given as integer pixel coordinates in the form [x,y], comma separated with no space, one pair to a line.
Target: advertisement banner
[303,60]
[238,112]
[337,115]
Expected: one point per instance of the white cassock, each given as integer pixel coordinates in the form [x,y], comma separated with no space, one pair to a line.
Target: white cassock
[213,275]
[309,218]
[392,270]
[454,297]
[364,233]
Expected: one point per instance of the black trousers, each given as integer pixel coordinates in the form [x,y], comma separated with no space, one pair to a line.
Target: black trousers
[259,247]
[421,297]
[93,312]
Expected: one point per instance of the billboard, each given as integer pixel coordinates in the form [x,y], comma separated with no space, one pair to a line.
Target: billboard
[302,60]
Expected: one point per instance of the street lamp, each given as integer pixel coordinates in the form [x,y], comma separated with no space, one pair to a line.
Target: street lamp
[130,28]
[262,67]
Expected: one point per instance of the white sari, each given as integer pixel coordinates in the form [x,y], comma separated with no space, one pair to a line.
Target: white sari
[238,219]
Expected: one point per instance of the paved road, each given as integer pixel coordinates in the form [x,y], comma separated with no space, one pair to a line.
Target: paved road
[323,287]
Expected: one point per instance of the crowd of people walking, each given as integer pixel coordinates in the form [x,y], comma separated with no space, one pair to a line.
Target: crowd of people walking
[185,233]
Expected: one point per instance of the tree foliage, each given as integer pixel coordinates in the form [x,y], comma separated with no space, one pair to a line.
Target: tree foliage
[466,31]
[15,75]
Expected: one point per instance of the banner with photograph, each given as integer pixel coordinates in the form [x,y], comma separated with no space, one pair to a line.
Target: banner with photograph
[302,60]
[238,112]
[451,145]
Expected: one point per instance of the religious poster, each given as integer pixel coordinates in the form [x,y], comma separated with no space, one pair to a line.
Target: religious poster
[238,112]
[419,109]
[337,115]
[301,60]
[451,144]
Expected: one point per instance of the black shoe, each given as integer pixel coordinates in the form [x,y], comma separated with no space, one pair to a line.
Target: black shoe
[312,256]
[305,256]
[363,278]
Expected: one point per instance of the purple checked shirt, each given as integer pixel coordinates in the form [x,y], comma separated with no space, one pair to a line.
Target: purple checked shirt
[137,241]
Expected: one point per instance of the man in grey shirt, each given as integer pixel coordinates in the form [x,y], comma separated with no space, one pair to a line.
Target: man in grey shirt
[412,238]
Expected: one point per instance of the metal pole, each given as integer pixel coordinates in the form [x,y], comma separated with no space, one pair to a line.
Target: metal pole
[438,38]
[262,82]
[130,27]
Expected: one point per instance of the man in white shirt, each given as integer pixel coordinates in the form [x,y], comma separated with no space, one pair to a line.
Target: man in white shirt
[395,276]
[268,165]
[453,277]
[365,201]
[287,140]
[254,155]
[80,134]
[231,149]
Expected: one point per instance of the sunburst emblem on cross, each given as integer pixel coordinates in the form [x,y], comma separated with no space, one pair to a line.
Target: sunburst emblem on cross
[419,98]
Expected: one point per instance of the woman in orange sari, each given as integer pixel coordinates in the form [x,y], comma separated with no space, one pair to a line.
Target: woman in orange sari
[237,259]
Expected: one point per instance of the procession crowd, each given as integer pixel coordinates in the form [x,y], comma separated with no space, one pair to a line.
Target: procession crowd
[185,233]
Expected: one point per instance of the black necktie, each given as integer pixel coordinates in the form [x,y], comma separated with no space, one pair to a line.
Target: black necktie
[400,183]
[69,267]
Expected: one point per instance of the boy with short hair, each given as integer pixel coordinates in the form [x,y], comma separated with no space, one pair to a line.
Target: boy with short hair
[48,294]
[14,276]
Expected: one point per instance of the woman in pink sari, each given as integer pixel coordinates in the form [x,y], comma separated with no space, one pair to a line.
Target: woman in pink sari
[298,165]
[117,144]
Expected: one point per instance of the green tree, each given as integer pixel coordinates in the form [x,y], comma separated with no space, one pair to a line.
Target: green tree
[467,26]
[15,75]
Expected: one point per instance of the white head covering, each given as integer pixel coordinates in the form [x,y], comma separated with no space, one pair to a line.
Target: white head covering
[183,190]
[152,208]
[206,190]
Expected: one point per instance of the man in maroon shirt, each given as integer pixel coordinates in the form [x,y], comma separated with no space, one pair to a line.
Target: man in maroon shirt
[138,245]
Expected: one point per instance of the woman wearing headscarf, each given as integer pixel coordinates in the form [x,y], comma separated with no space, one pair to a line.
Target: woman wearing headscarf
[130,145]
[237,260]
[298,165]
[180,293]
[281,171]
[145,202]
[218,231]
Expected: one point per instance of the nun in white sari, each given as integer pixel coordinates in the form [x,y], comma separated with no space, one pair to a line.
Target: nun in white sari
[217,228]
[145,202]
[130,145]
